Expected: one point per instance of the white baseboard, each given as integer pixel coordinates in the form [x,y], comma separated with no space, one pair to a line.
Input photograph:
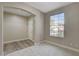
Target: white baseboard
[15,40]
[62,46]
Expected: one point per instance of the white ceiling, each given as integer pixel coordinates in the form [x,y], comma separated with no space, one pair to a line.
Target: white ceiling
[17,11]
[47,6]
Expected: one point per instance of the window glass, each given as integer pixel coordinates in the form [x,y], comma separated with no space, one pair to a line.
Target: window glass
[57,25]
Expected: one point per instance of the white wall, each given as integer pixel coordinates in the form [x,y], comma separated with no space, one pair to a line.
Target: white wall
[71,34]
[1,46]
[15,27]
[31,27]
[39,18]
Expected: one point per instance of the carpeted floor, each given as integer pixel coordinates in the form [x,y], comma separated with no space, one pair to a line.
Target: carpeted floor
[43,50]
[15,46]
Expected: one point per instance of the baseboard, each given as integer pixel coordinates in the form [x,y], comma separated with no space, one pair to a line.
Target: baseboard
[62,46]
[15,40]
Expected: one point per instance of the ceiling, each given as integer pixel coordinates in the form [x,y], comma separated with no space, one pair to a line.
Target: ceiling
[47,6]
[17,11]
[42,6]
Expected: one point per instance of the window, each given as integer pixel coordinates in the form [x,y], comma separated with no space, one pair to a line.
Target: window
[57,25]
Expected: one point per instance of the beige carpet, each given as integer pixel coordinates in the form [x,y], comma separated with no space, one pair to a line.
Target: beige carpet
[43,50]
[15,46]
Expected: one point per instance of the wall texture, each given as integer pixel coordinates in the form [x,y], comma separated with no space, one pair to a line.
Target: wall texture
[31,27]
[1,16]
[15,27]
[71,38]
[39,18]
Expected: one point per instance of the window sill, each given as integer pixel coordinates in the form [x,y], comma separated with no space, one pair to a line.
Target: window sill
[57,37]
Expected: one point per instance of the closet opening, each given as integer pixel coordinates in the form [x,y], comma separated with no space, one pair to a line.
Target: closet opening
[18,29]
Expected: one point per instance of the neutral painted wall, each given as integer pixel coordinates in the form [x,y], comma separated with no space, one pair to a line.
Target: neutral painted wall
[71,38]
[15,27]
[39,18]
[1,46]
[31,27]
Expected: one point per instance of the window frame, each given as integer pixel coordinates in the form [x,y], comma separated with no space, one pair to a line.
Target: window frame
[58,28]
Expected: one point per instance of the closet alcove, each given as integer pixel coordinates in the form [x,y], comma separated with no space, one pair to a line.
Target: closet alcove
[18,29]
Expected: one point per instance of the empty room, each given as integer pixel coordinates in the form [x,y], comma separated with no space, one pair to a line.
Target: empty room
[39,28]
